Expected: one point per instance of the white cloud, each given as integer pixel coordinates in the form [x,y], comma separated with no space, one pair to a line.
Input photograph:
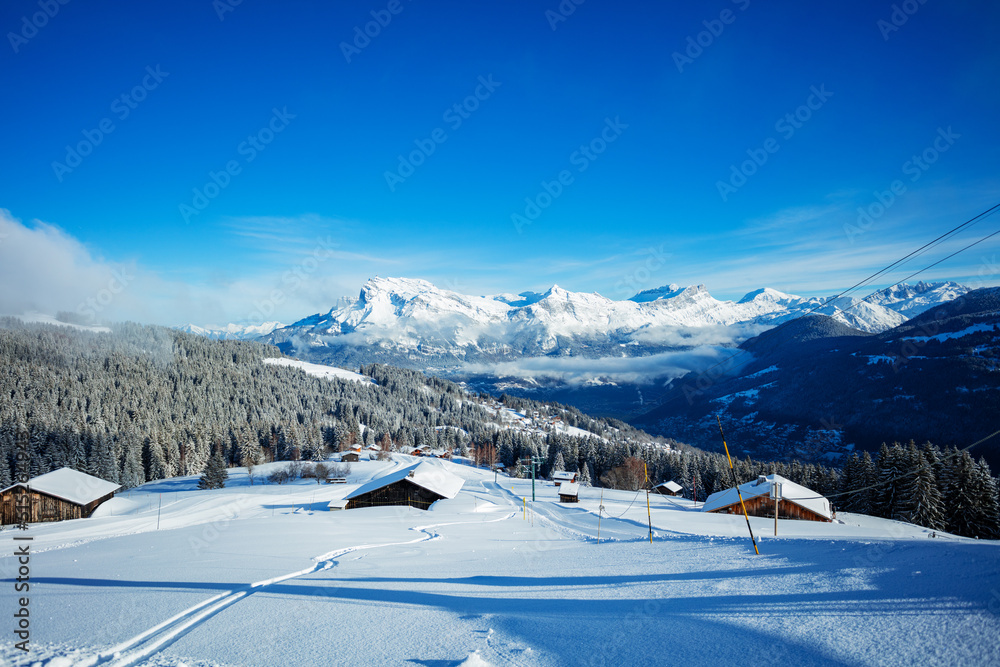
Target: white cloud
[44,269]
[641,370]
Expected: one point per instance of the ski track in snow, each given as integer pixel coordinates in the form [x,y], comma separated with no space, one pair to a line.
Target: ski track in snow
[501,637]
[144,645]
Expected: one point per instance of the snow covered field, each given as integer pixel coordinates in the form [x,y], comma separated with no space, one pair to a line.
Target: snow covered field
[265,575]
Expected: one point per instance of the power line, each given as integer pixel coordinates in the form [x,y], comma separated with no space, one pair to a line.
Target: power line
[977,218]
[913,471]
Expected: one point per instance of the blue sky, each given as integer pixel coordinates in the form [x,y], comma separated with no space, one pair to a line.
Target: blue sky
[645,141]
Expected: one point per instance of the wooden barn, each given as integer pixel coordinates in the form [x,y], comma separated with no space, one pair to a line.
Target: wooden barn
[668,488]
[569,492]
[55,496]
[418,485]
[797,501]
[350,457]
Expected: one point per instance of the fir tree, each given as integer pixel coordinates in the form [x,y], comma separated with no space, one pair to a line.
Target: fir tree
[558,464]
[959,483]
[215,474]
[920,500]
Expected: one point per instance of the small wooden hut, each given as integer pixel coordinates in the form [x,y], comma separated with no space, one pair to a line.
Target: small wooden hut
[561,477]
[668,488]
[55,496]
[569,492]
[350,457]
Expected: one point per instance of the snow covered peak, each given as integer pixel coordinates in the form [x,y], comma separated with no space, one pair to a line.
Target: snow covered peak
[406,288]
[768,295]
[911,300]
[665,292]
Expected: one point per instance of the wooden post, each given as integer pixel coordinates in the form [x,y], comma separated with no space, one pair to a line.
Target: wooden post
[600,511]
[649,516]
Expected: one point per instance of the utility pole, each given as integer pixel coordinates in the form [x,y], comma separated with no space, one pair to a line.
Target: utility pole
[534,462]
[736,484]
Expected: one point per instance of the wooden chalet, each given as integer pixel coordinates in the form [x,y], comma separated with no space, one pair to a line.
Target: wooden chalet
[668,488]
[55,496]
[569,492]
[350,457]
[419,485]
[797,501]
[561,477]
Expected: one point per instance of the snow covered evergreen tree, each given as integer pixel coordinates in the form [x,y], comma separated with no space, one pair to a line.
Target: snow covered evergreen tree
[215,474]
[920,500]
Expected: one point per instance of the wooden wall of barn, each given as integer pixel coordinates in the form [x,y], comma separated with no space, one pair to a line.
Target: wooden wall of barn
[397,493]
[42,507]
[762,506]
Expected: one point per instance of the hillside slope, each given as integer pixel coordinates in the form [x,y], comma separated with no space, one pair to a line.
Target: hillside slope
[814,386]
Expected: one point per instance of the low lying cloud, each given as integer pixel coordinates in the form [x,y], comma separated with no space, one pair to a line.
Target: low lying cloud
[659,367]
[717,335]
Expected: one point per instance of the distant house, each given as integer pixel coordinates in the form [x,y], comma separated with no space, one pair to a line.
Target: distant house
[561,476]
[569,492]
[668,488]
[418,485]
[55,496]
[417,452]
[797,501]
[350,457]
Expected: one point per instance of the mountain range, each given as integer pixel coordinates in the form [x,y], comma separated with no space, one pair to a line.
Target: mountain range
[815,360]
[415,324]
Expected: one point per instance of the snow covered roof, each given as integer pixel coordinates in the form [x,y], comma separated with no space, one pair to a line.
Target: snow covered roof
[426,475]
[71,485]
[671,486]
[569,489]
[790,492]
[560,475]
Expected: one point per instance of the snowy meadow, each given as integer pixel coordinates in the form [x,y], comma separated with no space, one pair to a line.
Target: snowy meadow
[167,574]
